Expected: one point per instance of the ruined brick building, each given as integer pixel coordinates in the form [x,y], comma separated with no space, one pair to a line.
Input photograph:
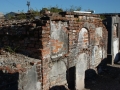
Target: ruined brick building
[55,50]
[112,23]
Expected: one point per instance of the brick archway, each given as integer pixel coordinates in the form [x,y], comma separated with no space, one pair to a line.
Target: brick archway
[83,39]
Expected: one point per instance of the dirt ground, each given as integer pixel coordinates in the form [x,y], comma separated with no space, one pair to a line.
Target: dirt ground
[109,79]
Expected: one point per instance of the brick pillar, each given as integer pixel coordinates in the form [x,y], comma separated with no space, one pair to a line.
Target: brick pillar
[45,54]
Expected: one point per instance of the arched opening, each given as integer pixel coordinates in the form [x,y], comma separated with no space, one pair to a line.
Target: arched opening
[83,39]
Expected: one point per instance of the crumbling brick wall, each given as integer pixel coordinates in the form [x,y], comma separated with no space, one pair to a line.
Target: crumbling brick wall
[24,38]
[65,45]
[19,72]
[87,44]
[67,48]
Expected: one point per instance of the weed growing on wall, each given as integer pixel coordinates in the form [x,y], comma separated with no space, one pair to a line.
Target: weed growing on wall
[10,49]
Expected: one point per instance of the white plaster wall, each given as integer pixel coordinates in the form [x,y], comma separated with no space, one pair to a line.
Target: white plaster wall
[99,31]
[58,68]
[56,28]
[94,50]
[38,86]
[59,35]
[98,35]
[104,53]
[31,77]
[81,66]
[97,56]
[115,48]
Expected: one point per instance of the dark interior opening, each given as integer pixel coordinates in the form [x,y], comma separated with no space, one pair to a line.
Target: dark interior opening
[71,78]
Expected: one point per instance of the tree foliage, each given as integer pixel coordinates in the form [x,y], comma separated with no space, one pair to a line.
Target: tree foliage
[102,17]
[54,9]
[21,16]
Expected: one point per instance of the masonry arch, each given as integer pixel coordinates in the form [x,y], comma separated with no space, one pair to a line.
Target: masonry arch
[83,38]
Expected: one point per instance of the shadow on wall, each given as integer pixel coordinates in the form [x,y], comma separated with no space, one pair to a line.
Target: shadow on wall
[33,47]
[8,81]
[102,66]
[70,76]
[106,78]
[58,88]
[27,42]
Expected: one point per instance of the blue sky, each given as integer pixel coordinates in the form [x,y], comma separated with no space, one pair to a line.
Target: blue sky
[99,6]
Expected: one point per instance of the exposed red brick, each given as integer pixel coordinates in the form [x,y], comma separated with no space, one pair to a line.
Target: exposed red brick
[18,66]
